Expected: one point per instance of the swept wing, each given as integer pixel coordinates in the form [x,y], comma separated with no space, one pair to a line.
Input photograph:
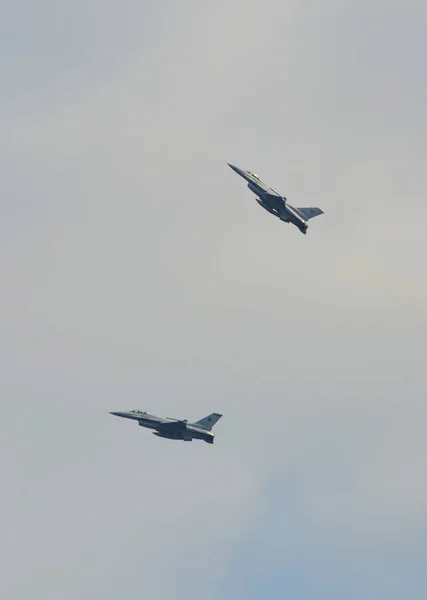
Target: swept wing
[172,427]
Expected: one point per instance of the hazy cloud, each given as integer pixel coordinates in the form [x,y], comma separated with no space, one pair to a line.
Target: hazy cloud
[138,271]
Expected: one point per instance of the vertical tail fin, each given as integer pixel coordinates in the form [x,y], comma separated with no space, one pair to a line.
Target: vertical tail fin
[208,422]
[310,213]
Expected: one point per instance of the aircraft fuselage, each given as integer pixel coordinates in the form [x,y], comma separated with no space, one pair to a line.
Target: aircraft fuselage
[271,201]
[171,429]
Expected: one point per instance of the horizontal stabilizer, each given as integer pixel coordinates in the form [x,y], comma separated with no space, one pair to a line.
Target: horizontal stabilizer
[311,212]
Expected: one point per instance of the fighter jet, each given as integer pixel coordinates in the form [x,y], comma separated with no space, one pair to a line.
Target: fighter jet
[276,204]
[174,429]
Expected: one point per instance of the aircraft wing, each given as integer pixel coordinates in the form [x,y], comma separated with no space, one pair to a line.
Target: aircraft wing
[311,212]
[172,426]
[275,196]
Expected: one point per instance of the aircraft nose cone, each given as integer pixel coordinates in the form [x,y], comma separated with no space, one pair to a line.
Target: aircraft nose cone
[117,414]
[236,169]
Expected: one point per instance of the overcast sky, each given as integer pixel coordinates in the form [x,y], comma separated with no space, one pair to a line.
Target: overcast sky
[139,272]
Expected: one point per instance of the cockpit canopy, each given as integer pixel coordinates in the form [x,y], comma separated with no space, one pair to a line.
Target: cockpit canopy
[138,411]
[253,174]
